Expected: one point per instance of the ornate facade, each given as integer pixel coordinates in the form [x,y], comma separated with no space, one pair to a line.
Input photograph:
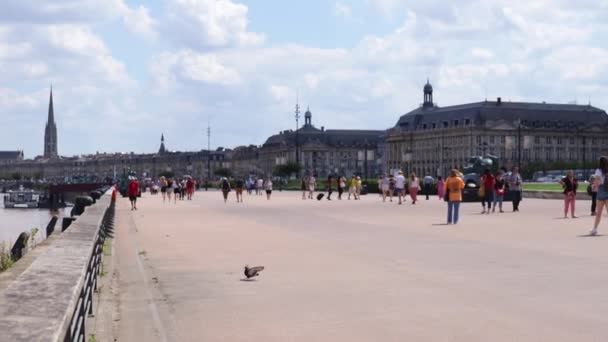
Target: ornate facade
[324,152]
[432,139]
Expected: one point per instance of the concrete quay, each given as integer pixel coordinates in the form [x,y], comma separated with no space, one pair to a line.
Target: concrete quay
[354,271]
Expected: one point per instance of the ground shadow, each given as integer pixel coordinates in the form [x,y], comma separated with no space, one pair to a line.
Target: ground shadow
[589,235]
[247,280]
[440,224]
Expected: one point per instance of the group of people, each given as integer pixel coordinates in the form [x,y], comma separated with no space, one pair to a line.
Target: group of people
[308,186]
[179,188]
[493,188]
[259,185]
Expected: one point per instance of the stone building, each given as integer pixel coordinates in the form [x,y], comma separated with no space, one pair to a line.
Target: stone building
[324,151]
[432,139]
[11,156]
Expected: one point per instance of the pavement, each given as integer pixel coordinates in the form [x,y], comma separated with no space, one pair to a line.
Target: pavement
[355,271]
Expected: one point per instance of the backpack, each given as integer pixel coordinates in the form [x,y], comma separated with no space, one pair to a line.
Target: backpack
[589,190]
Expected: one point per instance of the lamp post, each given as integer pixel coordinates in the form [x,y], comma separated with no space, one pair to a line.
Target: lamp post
[519,142]
[297,116]
[208,157]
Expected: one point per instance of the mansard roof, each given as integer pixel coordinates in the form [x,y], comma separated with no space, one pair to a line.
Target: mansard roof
[11,155]
[330,137]
[565,115]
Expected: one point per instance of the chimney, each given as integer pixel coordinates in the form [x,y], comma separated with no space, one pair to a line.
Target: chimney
[498,101]
[322,128]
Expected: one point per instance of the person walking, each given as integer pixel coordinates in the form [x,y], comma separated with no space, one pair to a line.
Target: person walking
[268,188]
[428,183]
[238,186]
[304,186]
[352,187]
[487,183]
[391,187]
[358,189]
[384,187]
[592,189]
[441,188]
[499,188]
[133,190]
[169,189]
[163,187]
[414,187]
[312,183]
[260,186]
[570,185]
[329,187]
[515,188]
[190,187]
[225,186]
[601,180]
[454,186]
[400,186]
[341,186]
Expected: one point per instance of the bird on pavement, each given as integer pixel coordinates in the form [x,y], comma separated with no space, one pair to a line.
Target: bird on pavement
[251,272]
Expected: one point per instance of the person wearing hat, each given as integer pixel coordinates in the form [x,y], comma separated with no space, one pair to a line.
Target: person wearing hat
[400,186]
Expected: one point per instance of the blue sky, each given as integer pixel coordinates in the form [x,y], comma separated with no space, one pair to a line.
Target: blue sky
[126,71]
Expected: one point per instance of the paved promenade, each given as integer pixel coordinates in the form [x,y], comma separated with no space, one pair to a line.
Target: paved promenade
[356,271]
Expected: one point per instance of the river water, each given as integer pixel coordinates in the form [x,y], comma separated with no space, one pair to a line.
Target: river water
[15,221]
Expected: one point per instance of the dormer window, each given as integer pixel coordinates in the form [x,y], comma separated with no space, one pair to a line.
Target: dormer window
[434,125]
[424,126]
[467,122]
[445,124]
[456,123]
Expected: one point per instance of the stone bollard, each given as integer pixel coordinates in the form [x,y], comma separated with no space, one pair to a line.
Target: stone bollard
[66,222]
[19,246]
[80,203]
[95,195]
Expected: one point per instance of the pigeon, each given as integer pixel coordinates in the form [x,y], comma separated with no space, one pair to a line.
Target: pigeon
[251,272]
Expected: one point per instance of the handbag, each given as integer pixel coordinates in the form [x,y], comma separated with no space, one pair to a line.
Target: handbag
[446,197]
[482,191]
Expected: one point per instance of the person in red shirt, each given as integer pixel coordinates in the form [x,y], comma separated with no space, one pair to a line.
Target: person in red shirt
[190,187]
[488,181]
[133,190]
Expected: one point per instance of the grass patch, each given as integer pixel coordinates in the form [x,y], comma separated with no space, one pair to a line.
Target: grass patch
[6,261]
[544,187]
[106,247]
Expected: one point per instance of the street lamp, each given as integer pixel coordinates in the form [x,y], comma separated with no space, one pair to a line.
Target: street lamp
[519,142]
[297,116]
[208,156]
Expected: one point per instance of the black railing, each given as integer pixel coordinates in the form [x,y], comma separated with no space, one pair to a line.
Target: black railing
[84,306]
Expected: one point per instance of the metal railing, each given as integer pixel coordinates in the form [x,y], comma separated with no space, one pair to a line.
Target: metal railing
[84,307]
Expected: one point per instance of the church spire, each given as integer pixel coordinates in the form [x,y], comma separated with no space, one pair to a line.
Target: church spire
[50,132]
[162,148]
[51,118]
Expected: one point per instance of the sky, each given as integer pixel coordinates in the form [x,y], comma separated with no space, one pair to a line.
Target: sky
[126,71]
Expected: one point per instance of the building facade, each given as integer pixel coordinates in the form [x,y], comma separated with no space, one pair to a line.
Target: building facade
[432,140]
[324,151]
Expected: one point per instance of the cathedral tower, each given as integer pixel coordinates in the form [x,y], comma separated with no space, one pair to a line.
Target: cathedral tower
[50,133]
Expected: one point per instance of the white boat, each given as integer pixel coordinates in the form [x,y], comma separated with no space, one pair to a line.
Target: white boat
[21,199]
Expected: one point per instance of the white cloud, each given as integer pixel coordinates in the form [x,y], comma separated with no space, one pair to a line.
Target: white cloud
[481,53]
[139,21]
[342,11]
[205,24]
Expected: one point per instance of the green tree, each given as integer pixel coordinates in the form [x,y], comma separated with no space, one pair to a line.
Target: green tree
[16,176]
[286,170]
[223,172]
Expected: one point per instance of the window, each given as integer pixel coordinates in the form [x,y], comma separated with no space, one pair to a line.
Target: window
[492,139]
[503,139]
[537,140]
[434,125]
[560,140]
[455,123]
[571,141]
[478,139]
[548,140]
[548,154]
[424,126]
[467,122]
